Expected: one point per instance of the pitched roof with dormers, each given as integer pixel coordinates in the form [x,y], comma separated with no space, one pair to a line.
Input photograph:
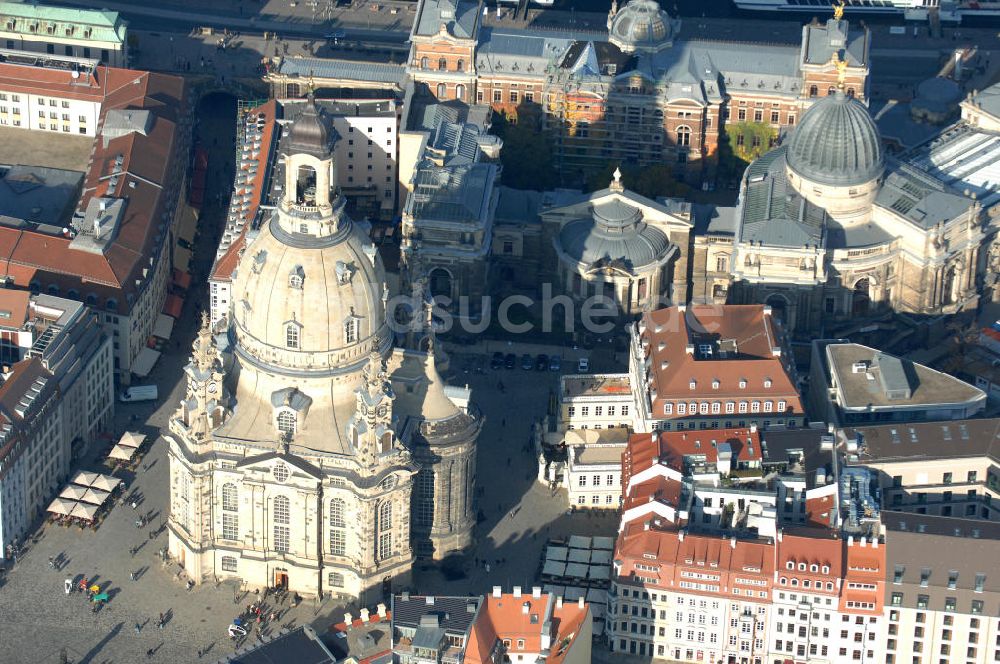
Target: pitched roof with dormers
[718,353]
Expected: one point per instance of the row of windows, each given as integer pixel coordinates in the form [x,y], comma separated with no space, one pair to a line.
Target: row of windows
[598,411]
[596,500]
[596,481]
[716,407]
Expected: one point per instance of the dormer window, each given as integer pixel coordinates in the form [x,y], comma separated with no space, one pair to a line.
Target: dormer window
[790,565]
[296,277]
[767,382]
[693,384]
[814,568]
[743,384]
[802,567]
[715,384]
[259,259]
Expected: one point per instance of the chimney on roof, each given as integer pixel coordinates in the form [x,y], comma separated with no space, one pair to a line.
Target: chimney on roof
[753,427]
[850,540]
[732,542]
[778,534]
[559,601]
[680,535]
[526,608]
[579,602]
[380,610]
[348,618]
[365,615]
[863,541]
[875,542]
[689,349]
[517,591]
[497,592]
[536,592]
[430,600]
[682,308]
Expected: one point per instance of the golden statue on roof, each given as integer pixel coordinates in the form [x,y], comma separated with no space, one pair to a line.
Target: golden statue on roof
[841,72]
[838,11]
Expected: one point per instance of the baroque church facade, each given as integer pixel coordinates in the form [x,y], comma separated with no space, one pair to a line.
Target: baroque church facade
[310,452]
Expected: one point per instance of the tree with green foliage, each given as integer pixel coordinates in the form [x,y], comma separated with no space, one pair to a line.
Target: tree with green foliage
[526,155]
[741,143]
[649,181]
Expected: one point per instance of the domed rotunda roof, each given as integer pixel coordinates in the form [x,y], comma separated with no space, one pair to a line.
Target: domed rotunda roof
[309,303]
[836,144]
[615,233]
[641,25]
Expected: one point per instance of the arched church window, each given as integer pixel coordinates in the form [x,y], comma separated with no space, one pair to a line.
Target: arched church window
[350,331]
[683,135]
[292,336]
[385,530]
[338,523]
[813,91]
[423,63]
[442,64]
[286,422]
[280,516]
[230,515]
[442,91]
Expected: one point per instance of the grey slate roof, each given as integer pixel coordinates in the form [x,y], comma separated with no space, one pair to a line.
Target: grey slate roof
[453,612]
[821,41]
[457,193]
[346,69]
[713,219]
[920,198]
[836,143]
[642,25]
[301,645]
[772,212]
[988,99]
[615,233]
[458,15]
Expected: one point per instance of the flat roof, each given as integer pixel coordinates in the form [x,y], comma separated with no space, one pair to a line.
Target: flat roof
[886,374]
[45,148]
[595,454]
[595,385]
[927,440]
[38,197]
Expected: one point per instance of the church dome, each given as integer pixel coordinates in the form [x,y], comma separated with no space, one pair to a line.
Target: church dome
[309,303]
[641,25]
[836,144]
[614,235]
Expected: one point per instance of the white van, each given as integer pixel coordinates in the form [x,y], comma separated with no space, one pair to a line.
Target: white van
[139,393]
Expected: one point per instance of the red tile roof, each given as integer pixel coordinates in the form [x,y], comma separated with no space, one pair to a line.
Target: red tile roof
[146,183]
[670,447]
[226,264]
[746,346]
[521,620]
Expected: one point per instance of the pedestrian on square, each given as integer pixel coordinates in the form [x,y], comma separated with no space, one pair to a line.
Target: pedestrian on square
[68,585]
[138,628]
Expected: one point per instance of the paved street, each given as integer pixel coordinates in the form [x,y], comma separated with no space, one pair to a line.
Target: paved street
[506,475]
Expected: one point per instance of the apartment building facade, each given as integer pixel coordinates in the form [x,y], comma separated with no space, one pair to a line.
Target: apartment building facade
[99,34]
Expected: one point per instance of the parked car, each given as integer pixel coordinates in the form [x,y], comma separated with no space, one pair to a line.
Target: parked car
[510,361]
[583,366]
[526,362]
[541,362]
[497,361]
[555,363]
